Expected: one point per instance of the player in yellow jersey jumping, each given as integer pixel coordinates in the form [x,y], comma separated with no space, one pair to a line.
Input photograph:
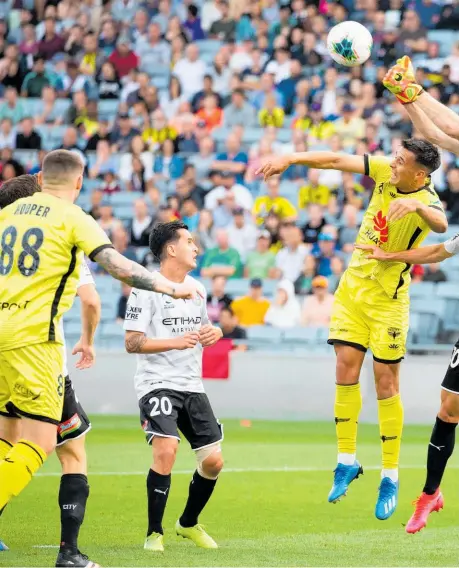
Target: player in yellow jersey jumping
[43,239]
[371,307]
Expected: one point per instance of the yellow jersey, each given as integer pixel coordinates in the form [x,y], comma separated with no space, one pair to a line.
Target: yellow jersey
[42,243]
[249,311]
[404,234]
[279,205]
[319,194]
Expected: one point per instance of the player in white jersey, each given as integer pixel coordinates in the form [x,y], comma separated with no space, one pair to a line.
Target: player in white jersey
[71,431]
[168,336]
[442,440]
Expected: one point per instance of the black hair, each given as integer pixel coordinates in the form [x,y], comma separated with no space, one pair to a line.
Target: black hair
[227,309]
[163,234]
[425,153]
[17,188]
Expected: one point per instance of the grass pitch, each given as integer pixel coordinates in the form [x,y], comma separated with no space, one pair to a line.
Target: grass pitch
[269,508]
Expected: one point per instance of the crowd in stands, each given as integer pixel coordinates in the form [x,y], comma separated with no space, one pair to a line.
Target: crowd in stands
[176,103]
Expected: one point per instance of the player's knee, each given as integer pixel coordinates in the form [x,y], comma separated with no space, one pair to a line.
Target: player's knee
[449,410]
[164,456]
[386,386]
[347,370]
[72,456]
[210,461]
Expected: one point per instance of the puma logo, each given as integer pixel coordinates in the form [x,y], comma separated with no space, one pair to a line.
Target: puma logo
[436,447]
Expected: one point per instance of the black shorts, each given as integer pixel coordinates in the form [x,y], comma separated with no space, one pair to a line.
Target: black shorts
[451,380]
[164,412]
[74,422]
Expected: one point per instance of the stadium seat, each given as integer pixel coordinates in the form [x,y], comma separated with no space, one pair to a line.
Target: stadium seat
[125,198]
[264,334]
[422,290]
[237,287]
[428,318]
[445,39]
[107,109]
[309,335]
[209,45]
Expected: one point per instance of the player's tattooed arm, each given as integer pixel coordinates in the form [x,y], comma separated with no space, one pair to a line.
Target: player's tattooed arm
[134,341]
[137,276]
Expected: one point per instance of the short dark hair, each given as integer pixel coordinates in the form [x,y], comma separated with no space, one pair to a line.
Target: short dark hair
[424,152]
[227,309]
[59,164]
[163,234]
[18,188]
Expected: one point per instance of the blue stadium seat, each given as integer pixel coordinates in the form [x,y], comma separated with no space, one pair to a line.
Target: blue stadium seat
[27,157]
[107,109]
[104,284]
[72,328]
[125,198]
[237,287]
[90,185]
[112,335]
[264,334]
[160,81]
[427,318]
[448,291]
[209,45]
[422,290]
[74,314]
[30,106]
[251,135]
[309,335]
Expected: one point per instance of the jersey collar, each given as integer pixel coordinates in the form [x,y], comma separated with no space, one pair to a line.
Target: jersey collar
[426,186]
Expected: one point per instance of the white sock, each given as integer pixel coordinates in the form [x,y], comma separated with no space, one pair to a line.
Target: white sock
[392,474]
[346,459]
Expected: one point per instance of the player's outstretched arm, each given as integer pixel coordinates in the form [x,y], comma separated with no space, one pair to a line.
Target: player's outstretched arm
[138,342]
[422,255]
[319,160]
[442,116]
[137,276]
[430,130]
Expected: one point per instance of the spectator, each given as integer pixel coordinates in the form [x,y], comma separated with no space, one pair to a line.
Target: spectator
[110,182]
[337,270]
[96,202]
[319,130]
[205,233]
[230,329]
[193,24]
[107,220]
[217,299]
[326,249]
[287,87]
[12,107]
[51,43]
[239,112]
[234,160]
[190,214]
[7,134]
[36,80]
[102,133]
[284,312]
[186,142]
[413,37]
[108,82]
[266,87]
[417,274]
[227,184]
[290,260]
[48,112]
[70,143]
[14,76]
[167,165]
[221,74]
[350,228]
[190,71]
[221,260]
[91,59]
[159,131]
[203,161]
[273,203]
[171,101]
[74,44]
[10,170]
[270,114]
[224,28]
[317,307]
[141,225]
[107,38]
[280,65]
[434,273]
[251,309]
[28,138]
[29,44]
[121,137]
[303,284]
[315,224]
[314,193]
[123,59]
[104,161]
[242,233]
[349,127]
[261,262]
[122,303]
[210,113]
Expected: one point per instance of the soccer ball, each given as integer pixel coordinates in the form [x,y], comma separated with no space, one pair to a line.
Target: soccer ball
[349,43]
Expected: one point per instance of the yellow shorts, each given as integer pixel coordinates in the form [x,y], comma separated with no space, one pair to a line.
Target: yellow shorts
[364,316]
[32,383]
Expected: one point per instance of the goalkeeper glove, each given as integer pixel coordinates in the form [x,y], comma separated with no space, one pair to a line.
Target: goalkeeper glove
[400,81]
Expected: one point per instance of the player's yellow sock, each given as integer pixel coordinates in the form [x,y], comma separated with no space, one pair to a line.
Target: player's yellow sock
[5,447]
[17,469]
[390,412]
[348,404]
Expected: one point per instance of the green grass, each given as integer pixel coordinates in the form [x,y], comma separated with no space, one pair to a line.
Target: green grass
[259,516]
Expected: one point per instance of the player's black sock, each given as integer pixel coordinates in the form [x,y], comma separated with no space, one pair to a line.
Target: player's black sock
[73,494]
[440,449]
[200,491]
[158,491]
